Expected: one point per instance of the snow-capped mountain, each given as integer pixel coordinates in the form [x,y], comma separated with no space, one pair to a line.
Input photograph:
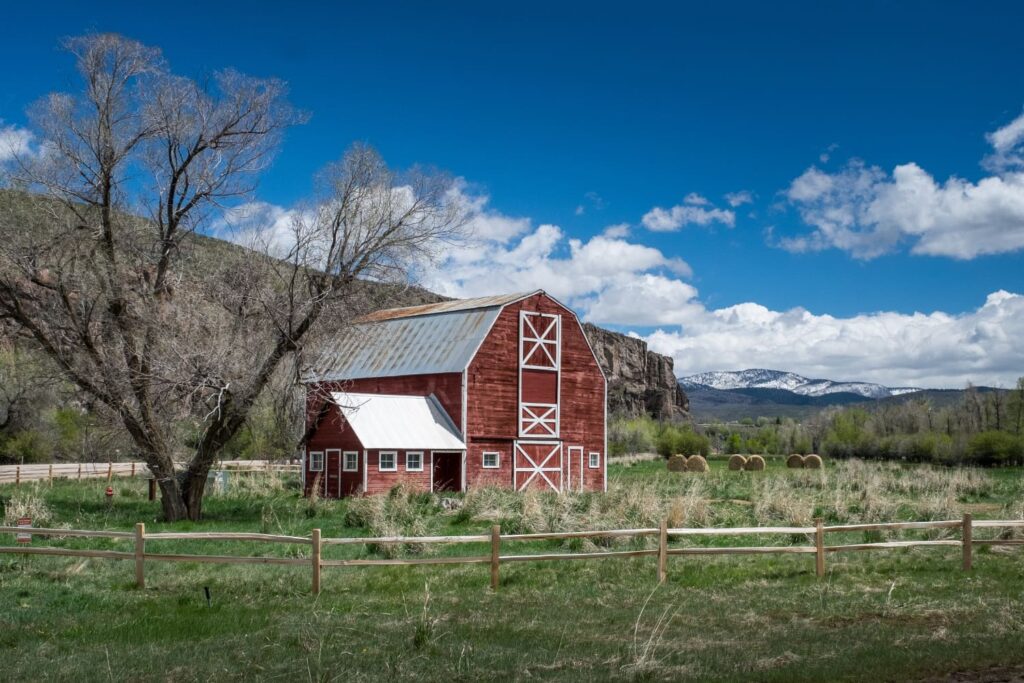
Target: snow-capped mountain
[788,381]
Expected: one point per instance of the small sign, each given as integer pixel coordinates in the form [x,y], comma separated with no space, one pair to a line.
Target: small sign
[24,523]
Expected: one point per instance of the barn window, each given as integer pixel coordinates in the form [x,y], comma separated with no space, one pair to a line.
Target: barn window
[414,461]
[538,340]
[316,461]
[595,460]
[491,459]
[388,461]
[351,463]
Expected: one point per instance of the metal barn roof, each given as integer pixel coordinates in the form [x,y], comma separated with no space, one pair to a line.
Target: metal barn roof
[400,422]
[417,340]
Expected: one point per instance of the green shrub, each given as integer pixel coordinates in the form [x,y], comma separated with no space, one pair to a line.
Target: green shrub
[992,448]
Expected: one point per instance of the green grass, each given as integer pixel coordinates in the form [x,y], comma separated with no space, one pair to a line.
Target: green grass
[886,615]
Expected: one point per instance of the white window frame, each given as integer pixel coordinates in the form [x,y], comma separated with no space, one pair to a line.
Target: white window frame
[497,460]
[313,467]
[394,461]
[344,463]
[413,469]
[533,344]
[594,460]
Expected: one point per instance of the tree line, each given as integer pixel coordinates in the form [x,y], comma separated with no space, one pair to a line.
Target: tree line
[982,428]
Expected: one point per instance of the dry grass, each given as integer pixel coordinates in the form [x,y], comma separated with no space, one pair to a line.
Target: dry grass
[27,502]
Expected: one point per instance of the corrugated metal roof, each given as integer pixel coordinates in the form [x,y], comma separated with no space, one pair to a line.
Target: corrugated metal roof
[443,342]
[444,307]
[400,422]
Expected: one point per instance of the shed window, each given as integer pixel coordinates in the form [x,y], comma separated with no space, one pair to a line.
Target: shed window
[388,461]
[316,461]
[351,463]
[414,461]
[595,460]
[491,459]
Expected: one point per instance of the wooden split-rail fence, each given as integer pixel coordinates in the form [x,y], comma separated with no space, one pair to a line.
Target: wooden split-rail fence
[141,555]
[20,474]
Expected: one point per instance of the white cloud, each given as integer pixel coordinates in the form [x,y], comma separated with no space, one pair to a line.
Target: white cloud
[929,350]
[863,210]
[868,212]
[14,142]
[668,220]
[580,210]
[739,198]
[613,281]
[1007,145]
[617,230]
[695,199]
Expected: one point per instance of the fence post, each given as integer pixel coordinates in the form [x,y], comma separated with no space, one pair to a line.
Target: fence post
[50,474]
[967,535]
[140,555]
[133,470]
[79,471]
[495,555]
[17,475]
[316,562]
[663,551]
[819,546]
[110,471]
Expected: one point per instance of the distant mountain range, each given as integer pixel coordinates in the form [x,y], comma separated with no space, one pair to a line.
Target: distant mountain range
[774,393]
[788,381]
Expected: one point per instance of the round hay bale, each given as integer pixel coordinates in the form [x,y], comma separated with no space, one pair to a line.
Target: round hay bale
[696,463]
[677,463]
[755,463]
[736,462]
[813,462]
[795,461]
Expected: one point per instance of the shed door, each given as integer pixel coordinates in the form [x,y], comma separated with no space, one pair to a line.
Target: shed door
[538,465]
[575,468]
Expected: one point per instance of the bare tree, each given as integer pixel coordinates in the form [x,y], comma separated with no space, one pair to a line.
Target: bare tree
[170,331]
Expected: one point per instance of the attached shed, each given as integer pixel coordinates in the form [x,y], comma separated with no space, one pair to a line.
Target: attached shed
[501,390]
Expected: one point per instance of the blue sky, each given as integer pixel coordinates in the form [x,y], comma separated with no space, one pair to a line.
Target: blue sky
[586,115]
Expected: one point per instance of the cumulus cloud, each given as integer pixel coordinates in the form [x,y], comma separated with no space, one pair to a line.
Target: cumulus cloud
[14,142]
[740,198]
[868,212]
[920,349]
[1007,146]
[695,199]
[615,281]
[669,220]
[617,230]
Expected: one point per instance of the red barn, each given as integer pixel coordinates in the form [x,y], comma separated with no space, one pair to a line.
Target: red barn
[502,390]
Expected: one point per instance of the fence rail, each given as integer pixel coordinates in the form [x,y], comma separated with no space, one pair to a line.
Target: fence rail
[19,474]
[496,540]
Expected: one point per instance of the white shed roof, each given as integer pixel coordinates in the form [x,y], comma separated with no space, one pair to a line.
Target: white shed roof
[400,422]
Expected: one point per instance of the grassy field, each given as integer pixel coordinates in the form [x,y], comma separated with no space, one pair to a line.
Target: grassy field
[886,615]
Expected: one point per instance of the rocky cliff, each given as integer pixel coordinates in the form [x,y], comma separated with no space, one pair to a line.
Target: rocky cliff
[639,380]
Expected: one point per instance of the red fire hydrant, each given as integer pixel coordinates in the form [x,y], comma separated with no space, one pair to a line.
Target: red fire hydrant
[110,495]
